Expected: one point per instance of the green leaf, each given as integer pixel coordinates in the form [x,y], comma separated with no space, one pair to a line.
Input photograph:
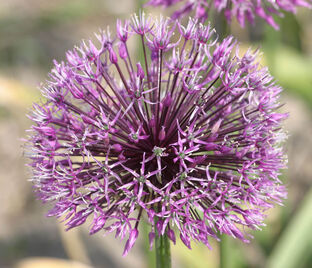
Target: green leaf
[292,70]
[295,243]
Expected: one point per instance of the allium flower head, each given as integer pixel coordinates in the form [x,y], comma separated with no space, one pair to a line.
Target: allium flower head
[188,139]
[241,9]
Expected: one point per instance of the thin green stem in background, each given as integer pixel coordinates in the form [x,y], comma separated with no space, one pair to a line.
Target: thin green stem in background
[140,55]
[222,26]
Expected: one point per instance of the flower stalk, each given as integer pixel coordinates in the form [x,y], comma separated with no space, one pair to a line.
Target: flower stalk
[162,250]
[224,251]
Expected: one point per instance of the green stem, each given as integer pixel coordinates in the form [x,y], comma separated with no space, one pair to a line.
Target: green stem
[222,26]
[162,248]
[224,251]
[225,28]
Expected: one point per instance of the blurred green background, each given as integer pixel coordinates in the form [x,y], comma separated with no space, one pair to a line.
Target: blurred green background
[32,34]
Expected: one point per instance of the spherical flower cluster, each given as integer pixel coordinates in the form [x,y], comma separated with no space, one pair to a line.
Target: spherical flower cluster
[188,139]
[241,9]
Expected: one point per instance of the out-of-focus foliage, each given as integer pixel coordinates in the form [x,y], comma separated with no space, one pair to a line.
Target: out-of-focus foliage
[290,251]
[288,62]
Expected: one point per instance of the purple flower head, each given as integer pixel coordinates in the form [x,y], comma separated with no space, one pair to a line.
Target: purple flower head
[189,141]
[241,9]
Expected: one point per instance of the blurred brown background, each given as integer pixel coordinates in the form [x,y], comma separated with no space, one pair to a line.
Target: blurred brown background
[32,34]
